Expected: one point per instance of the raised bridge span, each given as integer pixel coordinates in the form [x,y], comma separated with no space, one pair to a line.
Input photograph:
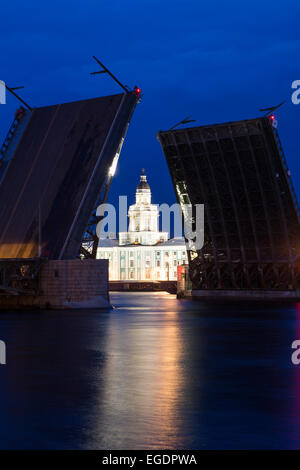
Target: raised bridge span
[54,165]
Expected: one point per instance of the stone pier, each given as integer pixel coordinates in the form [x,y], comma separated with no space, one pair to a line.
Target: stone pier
[65,284]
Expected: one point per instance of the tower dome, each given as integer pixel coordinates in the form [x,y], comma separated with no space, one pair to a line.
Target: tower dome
[143,184]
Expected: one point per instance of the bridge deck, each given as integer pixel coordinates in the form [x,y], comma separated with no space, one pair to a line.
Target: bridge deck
[58,168]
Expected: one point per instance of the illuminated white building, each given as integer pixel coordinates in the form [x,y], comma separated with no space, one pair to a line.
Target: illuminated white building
[143,253]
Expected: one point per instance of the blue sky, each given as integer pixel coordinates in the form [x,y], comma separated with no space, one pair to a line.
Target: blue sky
[217,61]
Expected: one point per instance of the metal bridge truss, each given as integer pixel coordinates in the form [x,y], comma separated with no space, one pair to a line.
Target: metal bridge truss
[19,276]
[252,232]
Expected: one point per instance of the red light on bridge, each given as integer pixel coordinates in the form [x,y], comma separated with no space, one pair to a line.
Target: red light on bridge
[137,90]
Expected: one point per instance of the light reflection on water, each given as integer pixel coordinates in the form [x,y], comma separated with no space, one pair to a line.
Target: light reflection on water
[153,372]
[144,380]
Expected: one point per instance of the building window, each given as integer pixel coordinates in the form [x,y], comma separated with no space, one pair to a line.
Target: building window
[158,263]
[131,274]
[175,262]
[131,263]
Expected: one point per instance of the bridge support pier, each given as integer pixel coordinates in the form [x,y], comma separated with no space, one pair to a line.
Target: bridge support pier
[63,284]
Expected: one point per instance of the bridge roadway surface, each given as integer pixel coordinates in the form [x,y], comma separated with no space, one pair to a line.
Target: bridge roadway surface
[46,180]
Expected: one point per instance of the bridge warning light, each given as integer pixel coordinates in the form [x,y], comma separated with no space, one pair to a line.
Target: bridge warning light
[137,90]
[274,121]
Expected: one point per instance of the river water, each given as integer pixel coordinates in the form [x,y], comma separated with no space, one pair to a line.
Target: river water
[152,373]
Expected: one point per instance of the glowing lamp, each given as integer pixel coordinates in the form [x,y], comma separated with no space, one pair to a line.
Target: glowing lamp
[113,167]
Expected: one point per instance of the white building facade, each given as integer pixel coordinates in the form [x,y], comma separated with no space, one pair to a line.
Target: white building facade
[143,253]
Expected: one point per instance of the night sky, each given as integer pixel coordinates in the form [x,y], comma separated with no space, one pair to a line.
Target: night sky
[217,61]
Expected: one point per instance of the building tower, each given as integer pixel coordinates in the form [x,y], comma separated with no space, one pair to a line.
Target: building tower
[143,218]
[143,253]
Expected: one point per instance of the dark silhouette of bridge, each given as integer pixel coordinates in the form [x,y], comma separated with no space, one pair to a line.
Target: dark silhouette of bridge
[239,172]
[56,166]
